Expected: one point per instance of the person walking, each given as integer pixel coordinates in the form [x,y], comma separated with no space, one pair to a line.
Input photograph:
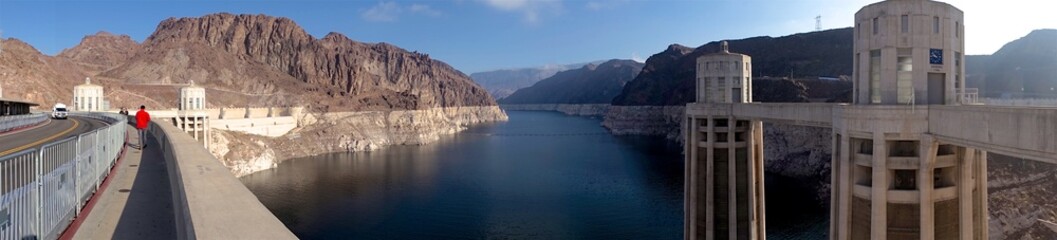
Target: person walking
[142,121]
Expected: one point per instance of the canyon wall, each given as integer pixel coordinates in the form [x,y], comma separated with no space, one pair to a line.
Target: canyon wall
[345,132]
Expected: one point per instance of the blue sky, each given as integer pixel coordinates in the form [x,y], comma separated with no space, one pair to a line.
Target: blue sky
[479,35]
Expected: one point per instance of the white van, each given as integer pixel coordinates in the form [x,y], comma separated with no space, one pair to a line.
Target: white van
[59,111]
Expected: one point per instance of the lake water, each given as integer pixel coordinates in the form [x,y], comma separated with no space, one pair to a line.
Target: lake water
[542,175]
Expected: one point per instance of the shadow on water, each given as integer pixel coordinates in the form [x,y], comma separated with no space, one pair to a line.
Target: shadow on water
[792,209]
[542,175]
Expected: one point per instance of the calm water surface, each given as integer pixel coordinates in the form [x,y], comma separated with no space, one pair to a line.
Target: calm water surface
[542,175]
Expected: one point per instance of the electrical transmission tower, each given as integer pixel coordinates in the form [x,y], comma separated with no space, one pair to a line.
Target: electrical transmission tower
[818,23]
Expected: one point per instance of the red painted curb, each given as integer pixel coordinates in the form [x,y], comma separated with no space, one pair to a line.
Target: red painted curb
[78,220]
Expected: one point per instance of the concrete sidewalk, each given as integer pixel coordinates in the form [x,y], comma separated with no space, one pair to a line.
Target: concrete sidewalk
[137,204]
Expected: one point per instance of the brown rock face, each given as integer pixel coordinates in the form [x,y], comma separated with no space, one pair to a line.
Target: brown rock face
[27,74]
[255,56]
[101,51]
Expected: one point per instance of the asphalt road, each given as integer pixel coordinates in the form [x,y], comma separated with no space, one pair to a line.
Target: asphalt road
[55,130]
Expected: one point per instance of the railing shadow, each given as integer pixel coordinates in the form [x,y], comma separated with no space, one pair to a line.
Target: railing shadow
[148,211]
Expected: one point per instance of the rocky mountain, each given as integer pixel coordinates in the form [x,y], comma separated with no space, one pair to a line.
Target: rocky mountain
[587,85]
[668,77]
[358,96]
[28,74]
[501,83]
[255,57]
[1023,68]
[101,51]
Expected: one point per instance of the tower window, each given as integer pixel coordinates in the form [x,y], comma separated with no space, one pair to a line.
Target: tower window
[904,23]
[935,25]
[875,76]
[875,26]
[957,29]
[904,75]
[855,76]
[858,26]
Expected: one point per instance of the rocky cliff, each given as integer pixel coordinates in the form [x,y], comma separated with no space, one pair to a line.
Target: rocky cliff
[1021,198]
[358,96]
[27,74]
[668,77]
[346,132]
[264,55]
[101,51]
[590,84]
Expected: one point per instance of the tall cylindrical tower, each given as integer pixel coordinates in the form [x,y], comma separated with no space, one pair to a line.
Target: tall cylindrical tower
[724,158]
[892,178]
[192,115]
[192,97]
[908,52]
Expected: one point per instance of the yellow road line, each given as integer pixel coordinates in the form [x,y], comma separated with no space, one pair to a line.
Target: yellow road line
[43,140]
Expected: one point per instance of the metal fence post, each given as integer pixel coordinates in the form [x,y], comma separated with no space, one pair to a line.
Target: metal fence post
[39,202]
[77,177]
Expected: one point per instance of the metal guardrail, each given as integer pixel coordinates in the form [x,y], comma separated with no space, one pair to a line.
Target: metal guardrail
[43,189]
[11,122]
[968,96]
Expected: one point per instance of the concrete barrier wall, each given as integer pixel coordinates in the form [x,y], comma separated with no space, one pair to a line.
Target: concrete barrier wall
[1014,131]
[272,127]
[209,202]
[801,114]
[258,112]
[213,113]
[241,113]
[1024,102]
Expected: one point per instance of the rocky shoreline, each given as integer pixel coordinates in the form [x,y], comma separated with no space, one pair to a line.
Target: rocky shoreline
[322,133]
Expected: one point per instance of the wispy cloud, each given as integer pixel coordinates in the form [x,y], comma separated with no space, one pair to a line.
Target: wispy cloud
[382,12]
[635,57]
[596,5]
[424,10]
[391,11]
[530,10]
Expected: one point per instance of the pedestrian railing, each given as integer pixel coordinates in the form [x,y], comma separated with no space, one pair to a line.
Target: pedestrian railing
[12,122]
[43,189]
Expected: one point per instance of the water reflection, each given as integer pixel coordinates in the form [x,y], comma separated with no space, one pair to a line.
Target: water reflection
[540,175]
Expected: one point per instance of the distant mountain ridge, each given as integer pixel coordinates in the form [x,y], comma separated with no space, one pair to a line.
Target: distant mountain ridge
[1023,68]
[668,77]
[503,82]
[590,84]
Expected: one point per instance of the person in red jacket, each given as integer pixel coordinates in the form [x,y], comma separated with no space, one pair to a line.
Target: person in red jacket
[142,120]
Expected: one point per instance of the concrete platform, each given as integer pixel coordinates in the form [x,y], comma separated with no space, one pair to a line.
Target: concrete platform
[137,204]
